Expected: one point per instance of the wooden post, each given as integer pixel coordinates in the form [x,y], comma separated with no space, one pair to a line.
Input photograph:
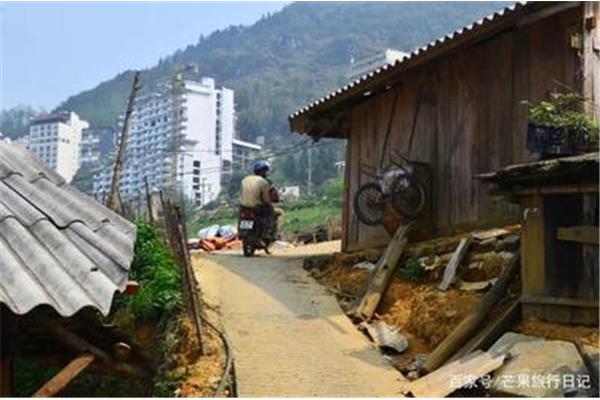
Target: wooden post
[114,198]
[175,228]
[463,332]
[591,58]
[6,376]
[384,270]
[533,248]
[148,201]
[454,262]
[8,335]
[65,376]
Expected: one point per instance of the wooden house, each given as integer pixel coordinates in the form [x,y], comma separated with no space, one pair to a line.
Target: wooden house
[559,241]
[462,97]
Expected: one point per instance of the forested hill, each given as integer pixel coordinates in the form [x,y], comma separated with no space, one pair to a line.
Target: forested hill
[290,57]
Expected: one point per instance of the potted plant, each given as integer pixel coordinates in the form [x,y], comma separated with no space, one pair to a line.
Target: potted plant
[557,127]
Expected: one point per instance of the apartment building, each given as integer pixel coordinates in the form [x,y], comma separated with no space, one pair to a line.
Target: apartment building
[96,143]
[203,149]
[244,155]
[54,139]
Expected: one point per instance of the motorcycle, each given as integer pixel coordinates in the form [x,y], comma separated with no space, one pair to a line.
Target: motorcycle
[254,229]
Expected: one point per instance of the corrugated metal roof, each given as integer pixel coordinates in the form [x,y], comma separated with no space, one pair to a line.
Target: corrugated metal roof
[417,54]
[58,247]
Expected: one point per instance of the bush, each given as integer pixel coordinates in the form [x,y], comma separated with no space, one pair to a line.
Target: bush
[158,275]
[413,271]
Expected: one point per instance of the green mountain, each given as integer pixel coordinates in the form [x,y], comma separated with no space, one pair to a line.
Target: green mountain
[290,57]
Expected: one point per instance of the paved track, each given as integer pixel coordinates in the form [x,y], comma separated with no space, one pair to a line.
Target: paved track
[289,335]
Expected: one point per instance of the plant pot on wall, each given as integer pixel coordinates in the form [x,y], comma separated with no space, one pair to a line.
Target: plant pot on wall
[551,141]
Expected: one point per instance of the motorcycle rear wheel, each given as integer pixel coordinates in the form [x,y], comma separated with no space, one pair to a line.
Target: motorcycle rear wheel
[248,248]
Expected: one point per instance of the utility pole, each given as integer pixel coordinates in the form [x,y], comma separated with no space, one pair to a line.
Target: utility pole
[114,197]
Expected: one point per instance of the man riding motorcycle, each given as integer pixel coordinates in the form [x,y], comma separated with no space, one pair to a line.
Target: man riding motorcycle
[257,193]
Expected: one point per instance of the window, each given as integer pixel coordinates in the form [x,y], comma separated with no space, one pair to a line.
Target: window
[196,180]
[196,164]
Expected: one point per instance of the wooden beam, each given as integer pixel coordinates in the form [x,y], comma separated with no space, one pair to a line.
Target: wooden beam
[493,329]
[384,270]
[455,261]
[533,250]
[65,376]
[560,301]
[587,234]
[83,346]
[547,12]
[462,333]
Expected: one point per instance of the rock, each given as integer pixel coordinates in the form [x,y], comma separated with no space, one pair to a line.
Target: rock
[386,336]
[476,286]
[511,242]
[537,367]
[365,265]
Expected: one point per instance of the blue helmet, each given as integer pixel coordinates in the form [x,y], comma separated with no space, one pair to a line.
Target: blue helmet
[261,165]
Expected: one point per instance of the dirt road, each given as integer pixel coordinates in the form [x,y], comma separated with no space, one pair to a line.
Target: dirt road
[289,335]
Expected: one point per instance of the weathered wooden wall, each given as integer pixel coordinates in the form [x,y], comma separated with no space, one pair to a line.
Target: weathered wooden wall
[471,121]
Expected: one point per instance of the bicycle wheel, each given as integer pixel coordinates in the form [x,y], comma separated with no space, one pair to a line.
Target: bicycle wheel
[368,204]
[410,201]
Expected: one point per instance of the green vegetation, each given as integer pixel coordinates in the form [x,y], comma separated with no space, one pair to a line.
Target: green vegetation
[300,214]
[154,268]
[413,271]
[564,110]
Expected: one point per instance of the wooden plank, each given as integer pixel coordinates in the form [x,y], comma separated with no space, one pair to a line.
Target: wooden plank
[462,333]
[384,270]
[455,261]
[557,189]
[587,234]
[560,301]
[453,376]
[533,249]
[591,58]
[65,376]
[499,324]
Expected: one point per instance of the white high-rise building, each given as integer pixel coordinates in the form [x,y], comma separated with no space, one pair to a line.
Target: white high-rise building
[205,149]
[54,140]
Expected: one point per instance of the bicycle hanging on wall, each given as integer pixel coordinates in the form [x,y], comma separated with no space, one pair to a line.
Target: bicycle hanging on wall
[396,184]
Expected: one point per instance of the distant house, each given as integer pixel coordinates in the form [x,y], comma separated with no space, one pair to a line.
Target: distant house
[63,257]
[468,88]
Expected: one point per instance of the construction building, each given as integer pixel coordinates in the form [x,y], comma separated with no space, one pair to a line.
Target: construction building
[204,150]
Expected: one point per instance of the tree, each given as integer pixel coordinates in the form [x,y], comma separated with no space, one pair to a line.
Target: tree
[14,122]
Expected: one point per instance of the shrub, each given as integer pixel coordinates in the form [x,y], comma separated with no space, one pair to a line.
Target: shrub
[413,271]
[564,110]
[158,275]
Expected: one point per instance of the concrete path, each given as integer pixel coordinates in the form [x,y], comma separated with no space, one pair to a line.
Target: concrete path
[289,335]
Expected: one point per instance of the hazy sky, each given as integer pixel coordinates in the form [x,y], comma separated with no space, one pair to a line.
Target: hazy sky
[50,51]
